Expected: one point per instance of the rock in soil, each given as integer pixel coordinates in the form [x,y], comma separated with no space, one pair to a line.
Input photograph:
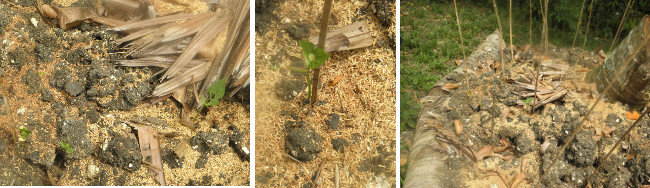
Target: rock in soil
[213,143]
[172,159]
[121,151]
[582,151]
[39,147]
[333,122]
[75,133]
[236,143]
[303,143]
[339,144]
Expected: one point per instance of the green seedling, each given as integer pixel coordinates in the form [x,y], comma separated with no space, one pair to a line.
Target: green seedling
[314,58]
[527,102]
[24,132]
[66,147]
[42,73]
[215,92]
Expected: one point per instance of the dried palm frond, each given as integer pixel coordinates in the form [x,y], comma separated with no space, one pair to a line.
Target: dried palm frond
[190,49]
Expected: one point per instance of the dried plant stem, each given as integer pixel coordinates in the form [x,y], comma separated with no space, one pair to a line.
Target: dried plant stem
[546,26]
[618,143]
[530,22]
[496,11]
[541,2]
[327,8]
[512,53]
[584,43]
[537,66]
[584,119]
[462,45]
[579,22]
[620,25]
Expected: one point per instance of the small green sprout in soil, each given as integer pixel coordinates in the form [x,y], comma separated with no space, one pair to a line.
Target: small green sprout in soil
[527,102]
[215,92]
[66,147]
[24,132]
[314,58]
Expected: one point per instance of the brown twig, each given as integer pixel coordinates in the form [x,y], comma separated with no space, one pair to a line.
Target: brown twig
[620,25]
[579,22]
[325,17]
[584,43]
[49,177]
[462,45]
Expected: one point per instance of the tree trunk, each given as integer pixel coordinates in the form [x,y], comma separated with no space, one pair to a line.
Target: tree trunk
[426,166]
[629,86]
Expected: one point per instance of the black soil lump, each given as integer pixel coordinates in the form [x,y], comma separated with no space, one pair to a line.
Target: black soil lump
[298,31]
[172,159]
[213,143]
[333,122]
[339,144]
[121,151]
[75,133]
[582,151]
[236,143]
[303,143]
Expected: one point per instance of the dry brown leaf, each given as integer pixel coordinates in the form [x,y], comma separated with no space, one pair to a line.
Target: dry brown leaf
[73,16]
[186,120]
[517,180]
[607,131]
[458,62]
[484,152]
[403,158]
[506,146]
[181,148]
[449,86]
[150,149]
[336,80]
[458,126]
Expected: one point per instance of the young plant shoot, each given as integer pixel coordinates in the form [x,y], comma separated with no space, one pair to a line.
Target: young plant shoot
[314,58]
[24,132]
[215,92]
[66,147]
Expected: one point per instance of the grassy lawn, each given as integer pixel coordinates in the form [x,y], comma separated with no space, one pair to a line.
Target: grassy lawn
[430,43]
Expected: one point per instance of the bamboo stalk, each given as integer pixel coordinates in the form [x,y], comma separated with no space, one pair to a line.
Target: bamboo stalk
[541,3]
[496,11]
[462,45]
[584,43]
[327,8]
[512,53]
[530,22]
[620,26]
[579,22]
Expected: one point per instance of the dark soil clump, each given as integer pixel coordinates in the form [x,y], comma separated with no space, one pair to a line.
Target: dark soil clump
[303,143]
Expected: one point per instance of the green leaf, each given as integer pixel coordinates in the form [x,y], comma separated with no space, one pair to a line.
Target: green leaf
[314,57]
[66,147]
[24,132]
[527,101]
[215,92]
